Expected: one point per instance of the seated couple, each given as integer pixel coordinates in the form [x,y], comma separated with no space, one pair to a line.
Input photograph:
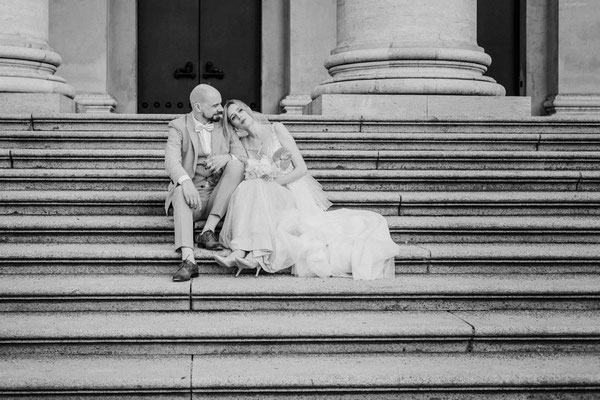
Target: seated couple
[232,162]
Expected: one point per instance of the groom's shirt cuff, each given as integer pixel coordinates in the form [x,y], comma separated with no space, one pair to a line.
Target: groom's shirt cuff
[183,179]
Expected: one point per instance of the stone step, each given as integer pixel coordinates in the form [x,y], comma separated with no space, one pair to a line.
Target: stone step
[510,376]
[151,202]
[312,123]
[83,179]
[405,229]
[161,259]
[495,229]
[474,141]
[103,139]
[410,292]
[499,203]
[320,159]
[458,180]
[332,180]
[49,202]
[298,332]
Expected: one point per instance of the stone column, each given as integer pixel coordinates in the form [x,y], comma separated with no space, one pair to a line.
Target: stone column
[576,76]
[406,57]
[27,63]
[311,36]
[79,30]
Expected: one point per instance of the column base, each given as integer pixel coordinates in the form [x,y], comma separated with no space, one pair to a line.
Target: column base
[573,105]
[95,103]
[294,104]
[418,106]
[42,103]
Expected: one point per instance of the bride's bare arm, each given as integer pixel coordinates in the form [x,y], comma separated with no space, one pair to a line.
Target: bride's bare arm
[288,143]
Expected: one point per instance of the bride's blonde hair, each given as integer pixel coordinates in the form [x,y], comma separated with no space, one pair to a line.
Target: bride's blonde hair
[228,127]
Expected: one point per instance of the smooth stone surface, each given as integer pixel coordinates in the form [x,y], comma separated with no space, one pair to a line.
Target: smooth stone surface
[471,284]
[524,323]
[98,286]
[385,106]
[55,372]
[409,370]
[291,325]
[36,102]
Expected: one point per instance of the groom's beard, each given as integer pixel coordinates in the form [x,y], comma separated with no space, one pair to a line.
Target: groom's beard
[215,118]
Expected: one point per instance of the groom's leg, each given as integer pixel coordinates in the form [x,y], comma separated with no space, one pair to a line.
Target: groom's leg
[216,208]
[184,218]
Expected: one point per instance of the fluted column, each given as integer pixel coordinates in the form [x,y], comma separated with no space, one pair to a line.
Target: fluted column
[406,48]
[27,63]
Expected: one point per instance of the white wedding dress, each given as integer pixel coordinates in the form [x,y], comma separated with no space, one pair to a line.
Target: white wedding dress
[287,226]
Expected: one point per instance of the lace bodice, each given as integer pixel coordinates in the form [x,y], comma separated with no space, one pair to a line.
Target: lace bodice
[270,148]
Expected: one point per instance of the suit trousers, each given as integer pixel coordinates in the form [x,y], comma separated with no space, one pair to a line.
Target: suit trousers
[214,201]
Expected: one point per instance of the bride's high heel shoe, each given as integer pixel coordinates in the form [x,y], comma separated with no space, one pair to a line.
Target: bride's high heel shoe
[225,262]
[244,263]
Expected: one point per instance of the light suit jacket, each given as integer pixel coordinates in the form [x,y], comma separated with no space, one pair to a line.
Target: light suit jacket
[184,155]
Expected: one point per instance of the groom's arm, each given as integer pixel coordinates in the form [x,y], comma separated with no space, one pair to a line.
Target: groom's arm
[173,159]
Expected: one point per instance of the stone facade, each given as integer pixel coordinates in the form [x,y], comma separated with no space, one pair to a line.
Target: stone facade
[316,56]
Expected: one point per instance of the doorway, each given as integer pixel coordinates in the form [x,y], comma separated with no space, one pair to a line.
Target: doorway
[499,32]
[182,43]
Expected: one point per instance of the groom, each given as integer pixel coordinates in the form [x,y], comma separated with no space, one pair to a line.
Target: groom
[202,162]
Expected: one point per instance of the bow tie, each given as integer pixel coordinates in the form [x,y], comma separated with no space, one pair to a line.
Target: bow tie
[207,127]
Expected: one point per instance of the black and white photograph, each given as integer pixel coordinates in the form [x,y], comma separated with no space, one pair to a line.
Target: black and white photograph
[300,199]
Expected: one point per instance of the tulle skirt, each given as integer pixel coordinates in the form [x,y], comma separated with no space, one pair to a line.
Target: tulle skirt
[288,226]
[255,211]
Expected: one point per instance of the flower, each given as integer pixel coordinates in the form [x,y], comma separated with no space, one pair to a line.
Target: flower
[263,169]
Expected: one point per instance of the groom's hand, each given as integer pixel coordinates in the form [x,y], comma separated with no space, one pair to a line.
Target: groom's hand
[217,162]
[190,194]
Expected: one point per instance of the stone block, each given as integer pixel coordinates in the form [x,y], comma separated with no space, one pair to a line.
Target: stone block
[380,106]
[51,103]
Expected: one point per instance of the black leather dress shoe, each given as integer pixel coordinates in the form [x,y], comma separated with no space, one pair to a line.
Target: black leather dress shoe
[209,241]
[187,270]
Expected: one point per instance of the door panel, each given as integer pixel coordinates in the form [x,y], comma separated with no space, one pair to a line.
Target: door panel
[167,40]
[175,35]
[230,40]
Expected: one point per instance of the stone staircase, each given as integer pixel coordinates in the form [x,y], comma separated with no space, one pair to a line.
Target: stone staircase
[497,292]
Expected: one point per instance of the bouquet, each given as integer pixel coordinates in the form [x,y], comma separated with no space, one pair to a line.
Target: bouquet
[261,169]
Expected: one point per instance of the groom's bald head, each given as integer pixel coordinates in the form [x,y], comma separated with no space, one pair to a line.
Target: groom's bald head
[206,103]
[202,92]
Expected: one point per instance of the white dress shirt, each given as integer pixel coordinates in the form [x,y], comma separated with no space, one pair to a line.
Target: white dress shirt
[205,141]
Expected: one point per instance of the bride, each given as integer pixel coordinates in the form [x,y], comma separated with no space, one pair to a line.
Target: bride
[276,217]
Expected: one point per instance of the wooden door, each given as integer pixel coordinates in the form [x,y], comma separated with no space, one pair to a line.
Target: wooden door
[182,43]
